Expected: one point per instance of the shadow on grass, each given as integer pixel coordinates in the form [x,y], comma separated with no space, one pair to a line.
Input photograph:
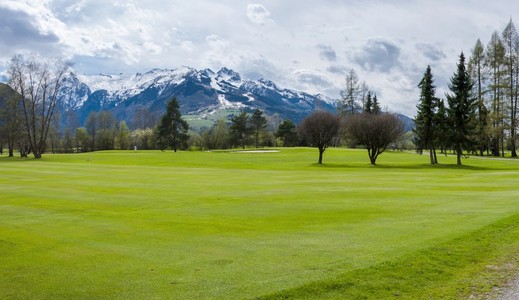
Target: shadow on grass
[407,167]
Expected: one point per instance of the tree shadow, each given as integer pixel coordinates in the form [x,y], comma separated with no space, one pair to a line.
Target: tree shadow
[408,167]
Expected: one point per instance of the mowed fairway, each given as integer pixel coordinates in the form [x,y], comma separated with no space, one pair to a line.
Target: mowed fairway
[230,225]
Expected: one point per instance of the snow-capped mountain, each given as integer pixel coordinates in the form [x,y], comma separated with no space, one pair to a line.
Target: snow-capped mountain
[198,92]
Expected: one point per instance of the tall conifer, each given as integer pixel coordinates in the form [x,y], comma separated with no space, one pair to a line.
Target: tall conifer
[462,110]
[425,117]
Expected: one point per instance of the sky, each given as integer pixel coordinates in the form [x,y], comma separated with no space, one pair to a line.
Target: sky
[304,45]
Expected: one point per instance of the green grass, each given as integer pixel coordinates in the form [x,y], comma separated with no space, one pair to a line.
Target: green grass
[231,225]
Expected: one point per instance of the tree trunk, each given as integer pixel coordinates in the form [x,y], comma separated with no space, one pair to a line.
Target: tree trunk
[502,144]
[372,153]
[512,139]
[435,157]
[321,151]
[458,155]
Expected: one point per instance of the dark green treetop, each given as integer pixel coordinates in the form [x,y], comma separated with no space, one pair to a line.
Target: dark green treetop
[172,129]
[461,110]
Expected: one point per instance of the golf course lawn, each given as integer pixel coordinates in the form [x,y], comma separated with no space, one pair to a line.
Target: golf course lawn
[238,225]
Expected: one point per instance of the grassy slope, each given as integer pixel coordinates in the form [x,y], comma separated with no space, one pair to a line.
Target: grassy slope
[241,225]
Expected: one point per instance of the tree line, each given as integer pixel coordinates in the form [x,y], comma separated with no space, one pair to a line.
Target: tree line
[480,115]
[30,122]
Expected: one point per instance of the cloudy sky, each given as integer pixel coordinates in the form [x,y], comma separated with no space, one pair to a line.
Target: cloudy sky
[306,45]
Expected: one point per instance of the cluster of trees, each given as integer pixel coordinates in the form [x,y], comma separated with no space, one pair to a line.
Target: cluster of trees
[480,114]
[29,104]
[357,97]
[375,131]
[451,127]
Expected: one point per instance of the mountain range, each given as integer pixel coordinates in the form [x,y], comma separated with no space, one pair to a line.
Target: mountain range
[200,93]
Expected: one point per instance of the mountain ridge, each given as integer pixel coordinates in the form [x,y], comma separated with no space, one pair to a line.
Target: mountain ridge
[196,90]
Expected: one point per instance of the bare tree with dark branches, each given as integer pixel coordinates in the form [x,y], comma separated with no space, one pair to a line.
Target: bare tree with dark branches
[38,82]
[375,132]
[319,129]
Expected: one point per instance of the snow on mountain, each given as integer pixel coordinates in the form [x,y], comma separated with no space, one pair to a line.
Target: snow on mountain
[197,91]
[123,85]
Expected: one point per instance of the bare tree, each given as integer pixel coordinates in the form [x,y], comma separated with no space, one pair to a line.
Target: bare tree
[375,132]
[511,43]
[11,131]
[494,60]
[319,129]
[350,95]
[38,82]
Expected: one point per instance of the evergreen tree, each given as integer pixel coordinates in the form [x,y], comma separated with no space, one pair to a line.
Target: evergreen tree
[240,129]
[375,106]
[461,110]
[258,122]
[368,103]
[426,115]
[172,129]
[287,133]
[441,126]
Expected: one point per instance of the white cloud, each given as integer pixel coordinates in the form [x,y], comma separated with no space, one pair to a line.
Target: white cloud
[258,14]
[388,43]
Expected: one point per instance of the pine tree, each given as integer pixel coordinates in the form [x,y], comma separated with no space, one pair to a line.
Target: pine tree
[375,107]
[240,129]
[172,129]
[441,126]
[461,111]
[425,119]
[368,103]
[258,122]
[287,133]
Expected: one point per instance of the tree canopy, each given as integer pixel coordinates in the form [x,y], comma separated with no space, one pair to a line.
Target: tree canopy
[319,129]
[375,132]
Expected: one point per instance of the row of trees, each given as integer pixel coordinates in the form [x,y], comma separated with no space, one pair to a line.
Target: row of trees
[357,97]
[494,72]
[480,114]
